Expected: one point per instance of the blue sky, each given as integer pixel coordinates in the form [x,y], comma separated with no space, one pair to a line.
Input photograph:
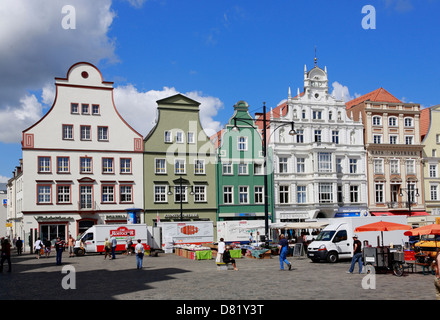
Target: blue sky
[217,52]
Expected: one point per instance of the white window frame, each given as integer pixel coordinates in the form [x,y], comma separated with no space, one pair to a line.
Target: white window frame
[168,136]
[324,162]
[258,194]
[243,191]
[408,122]
[190,137]
[199,166]
[200,193]
[228,194]
[160,194]
[301,194]
[378,166]
[227,168]
[243,169]
[160,166]
[242,143]
[179,166]
[284,196]
[394,166]
[433,170]
[376,120]
[325,192]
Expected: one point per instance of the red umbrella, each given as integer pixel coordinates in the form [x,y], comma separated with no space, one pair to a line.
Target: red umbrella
[382,226]
[428,229]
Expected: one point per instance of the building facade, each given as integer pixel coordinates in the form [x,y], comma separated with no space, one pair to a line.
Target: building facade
[83,162]
[14,216]
[240,169]
[179,165]
[394,151]
[321,171]
[430,133]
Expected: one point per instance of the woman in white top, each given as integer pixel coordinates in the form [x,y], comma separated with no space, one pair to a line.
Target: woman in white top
[38,245]
[220,250]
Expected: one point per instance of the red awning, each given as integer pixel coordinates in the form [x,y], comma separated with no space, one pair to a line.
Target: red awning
[405,213]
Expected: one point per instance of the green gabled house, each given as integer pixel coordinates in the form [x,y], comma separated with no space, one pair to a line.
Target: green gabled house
[240,169]
[179,165]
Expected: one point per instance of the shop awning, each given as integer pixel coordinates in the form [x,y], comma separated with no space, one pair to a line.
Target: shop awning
[405,213]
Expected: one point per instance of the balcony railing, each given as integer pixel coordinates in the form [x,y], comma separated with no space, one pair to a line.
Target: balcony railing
[399,204]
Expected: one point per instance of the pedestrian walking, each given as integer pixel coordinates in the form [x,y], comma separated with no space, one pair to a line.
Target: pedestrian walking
[6,254]
[140,252]
[47,247]
[59,248]
[38,245]
[284,245]
[71,245]
[19,245]
[107,248]
[114,244]
[128,244]
[357,255]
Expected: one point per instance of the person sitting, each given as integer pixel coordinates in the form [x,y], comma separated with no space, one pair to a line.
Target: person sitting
[227,258]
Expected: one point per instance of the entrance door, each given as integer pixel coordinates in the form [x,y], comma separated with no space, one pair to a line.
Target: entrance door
[53,231]
[84,225]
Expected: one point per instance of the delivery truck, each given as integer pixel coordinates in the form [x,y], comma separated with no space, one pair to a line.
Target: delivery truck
[92,240]
[335,241]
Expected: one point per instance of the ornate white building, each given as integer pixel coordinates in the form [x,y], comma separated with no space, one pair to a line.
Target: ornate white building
[83,164]
[321,171]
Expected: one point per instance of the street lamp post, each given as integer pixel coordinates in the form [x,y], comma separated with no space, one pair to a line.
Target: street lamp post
[410,193]
[264,149]
[180,182]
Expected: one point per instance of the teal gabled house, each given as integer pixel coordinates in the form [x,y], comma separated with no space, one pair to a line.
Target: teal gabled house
[240,169]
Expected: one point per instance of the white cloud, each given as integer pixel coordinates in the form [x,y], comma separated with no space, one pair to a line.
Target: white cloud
[137,106]
[34,47]
[341,92]
[4,179]
[399,5]
[136,3]
[13,120]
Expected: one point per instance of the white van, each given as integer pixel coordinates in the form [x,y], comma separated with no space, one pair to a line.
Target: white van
[93,239]
[335,241]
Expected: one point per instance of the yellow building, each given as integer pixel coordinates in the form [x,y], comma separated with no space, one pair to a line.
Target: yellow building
[430,134]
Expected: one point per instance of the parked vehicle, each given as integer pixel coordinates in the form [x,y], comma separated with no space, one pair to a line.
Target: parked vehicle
[335,241]
[92,240]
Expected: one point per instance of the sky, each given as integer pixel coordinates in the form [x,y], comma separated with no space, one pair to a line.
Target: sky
[217,52]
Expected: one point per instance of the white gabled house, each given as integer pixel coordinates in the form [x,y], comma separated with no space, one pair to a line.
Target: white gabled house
[83,163]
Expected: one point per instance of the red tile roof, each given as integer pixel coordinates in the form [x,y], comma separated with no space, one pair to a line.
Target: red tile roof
[379,95]
[424,122]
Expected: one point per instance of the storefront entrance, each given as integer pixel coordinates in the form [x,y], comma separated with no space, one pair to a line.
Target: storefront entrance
[53,231]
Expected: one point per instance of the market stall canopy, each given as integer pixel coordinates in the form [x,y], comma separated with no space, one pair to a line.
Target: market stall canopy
[428,229]
[382,226]
[300,225]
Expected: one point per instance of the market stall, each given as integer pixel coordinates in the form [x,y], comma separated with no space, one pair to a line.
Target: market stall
[384,257]
[193,252]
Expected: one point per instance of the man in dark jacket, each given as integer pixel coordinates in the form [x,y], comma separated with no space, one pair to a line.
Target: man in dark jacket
[59,247]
